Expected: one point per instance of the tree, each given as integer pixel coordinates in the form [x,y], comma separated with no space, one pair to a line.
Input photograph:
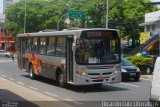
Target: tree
[45,14]
[15,16]
[127,15]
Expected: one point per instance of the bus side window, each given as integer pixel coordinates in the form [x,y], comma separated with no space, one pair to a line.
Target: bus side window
[29,43]
[42,45]
[34,47]
[51,46]
[60,49]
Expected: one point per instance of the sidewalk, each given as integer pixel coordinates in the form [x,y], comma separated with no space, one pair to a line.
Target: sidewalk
[147,77]
[10,92]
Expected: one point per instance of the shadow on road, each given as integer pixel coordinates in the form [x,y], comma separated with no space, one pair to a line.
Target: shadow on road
[83,89]
[9,99]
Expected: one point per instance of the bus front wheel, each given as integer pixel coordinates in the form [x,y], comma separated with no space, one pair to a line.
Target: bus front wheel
[60,79]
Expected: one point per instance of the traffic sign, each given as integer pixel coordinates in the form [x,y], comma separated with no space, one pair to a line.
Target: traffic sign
[76,14]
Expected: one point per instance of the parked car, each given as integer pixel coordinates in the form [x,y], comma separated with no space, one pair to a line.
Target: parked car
[4,54]
[151,67]
[155,86]
[129,70]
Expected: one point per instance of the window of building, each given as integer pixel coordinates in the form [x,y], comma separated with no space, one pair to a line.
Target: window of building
[148,27]
[153,27]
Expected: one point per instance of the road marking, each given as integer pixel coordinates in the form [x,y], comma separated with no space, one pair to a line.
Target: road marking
[145,79]
[3,61]
[73,101]
[130,85]
[68,99]
[48,93]
[23,70]
[33,88]
[11,79]
[4,76]
[20,83]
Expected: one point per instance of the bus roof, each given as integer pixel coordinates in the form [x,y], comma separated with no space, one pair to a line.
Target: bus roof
[63,32]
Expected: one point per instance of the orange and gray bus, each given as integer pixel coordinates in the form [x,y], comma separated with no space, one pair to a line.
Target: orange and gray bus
[77,57]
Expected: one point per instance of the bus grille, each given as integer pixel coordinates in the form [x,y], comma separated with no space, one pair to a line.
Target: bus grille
[95,76]
[100,67]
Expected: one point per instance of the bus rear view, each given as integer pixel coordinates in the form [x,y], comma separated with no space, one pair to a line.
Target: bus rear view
[97,57]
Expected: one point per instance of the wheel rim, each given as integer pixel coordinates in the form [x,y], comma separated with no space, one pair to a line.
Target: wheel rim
[61,79]
[31,73]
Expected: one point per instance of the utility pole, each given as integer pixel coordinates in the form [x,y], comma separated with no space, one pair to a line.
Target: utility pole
[59,21]
[25,17]
[107,14]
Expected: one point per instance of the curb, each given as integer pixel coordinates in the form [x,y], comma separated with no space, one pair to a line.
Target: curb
[146,77]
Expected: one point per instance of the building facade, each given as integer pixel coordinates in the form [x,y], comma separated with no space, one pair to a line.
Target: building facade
[5,3]
[7,41]
[152,23]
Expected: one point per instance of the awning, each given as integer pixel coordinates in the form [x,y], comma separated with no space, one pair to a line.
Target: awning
[149,23]
[7,41]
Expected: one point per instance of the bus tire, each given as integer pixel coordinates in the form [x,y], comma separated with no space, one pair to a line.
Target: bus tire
[60,79]
[31,72]
[97,85]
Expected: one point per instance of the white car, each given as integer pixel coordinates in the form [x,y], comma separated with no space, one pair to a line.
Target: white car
[155,86]
[4,54]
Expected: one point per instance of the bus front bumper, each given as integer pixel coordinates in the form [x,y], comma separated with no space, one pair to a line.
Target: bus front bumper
[84,80]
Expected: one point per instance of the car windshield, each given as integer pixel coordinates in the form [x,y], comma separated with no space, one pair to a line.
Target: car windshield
[125,62]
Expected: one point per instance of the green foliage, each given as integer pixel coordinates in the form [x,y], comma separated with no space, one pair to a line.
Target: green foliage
[45,14]
[140,60]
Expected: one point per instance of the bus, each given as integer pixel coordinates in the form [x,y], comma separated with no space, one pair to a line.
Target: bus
[77,57]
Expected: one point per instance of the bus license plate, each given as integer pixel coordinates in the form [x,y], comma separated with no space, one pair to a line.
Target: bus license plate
[132,74]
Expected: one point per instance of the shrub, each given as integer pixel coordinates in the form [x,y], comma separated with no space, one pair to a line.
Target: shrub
[141,62]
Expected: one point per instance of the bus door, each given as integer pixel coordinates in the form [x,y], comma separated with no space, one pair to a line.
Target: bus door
[22,47]
[69,59]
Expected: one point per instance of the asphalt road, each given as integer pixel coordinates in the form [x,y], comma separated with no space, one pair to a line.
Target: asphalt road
[80,96]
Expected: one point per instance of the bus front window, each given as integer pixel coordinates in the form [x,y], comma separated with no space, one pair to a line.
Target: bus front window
[97,50]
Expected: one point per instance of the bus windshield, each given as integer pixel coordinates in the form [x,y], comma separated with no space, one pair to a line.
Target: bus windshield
[98,48]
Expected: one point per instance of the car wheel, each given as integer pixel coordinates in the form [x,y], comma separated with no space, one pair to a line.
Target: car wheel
[31,72]
[136,79]
[7,56]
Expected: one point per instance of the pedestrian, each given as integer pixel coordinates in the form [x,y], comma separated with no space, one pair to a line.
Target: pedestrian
[12,56]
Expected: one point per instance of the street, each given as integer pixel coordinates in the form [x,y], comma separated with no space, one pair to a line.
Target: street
[43,89]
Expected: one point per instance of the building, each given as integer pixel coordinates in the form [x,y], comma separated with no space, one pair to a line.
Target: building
[6,39]
[5,3]
[152,23]
[7,42]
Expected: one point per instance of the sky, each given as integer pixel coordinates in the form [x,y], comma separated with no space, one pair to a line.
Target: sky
[1,2]
[1,8]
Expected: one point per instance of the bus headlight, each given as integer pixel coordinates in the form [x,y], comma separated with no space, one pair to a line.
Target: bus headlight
[116,71]
[83,71]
